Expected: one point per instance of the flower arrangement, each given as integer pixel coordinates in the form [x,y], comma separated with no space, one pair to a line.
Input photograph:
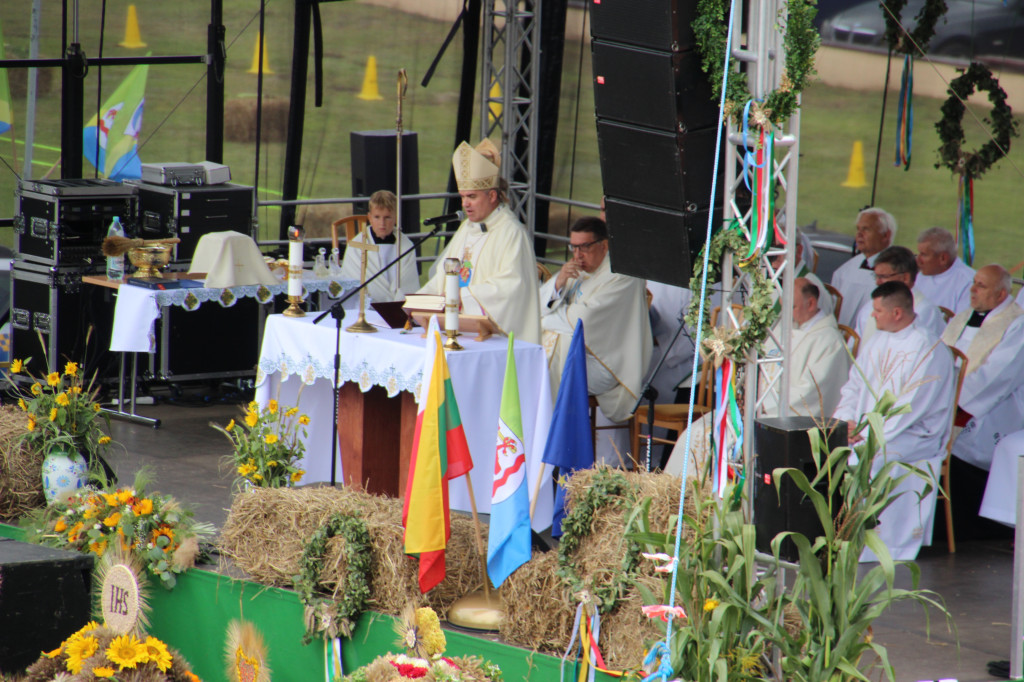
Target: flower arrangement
[62,411]
[154,527]
[268,445]
[96,652]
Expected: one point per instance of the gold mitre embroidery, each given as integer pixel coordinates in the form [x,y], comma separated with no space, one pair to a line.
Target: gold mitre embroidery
[476,168]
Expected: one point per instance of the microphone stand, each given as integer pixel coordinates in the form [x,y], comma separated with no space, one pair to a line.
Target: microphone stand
[650,393]
[337,311]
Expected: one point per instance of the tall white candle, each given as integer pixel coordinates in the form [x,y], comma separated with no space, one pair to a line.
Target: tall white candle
[452,298]
[295,267]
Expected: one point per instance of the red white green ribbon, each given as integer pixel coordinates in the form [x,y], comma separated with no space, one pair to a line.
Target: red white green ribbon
[905,114]
[727,420]
[965,217]
[760,164]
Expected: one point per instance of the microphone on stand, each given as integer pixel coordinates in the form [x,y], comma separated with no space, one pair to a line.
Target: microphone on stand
[456,217]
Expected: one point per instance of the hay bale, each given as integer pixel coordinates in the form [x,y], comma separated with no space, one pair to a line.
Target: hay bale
[21,474]
[240,120]
[316,219]
[538,613]
[267,529]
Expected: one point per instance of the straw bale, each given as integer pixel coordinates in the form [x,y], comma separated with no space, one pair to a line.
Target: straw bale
[316,219]
[267,529]
[21,476]
[538,613]
[240,120]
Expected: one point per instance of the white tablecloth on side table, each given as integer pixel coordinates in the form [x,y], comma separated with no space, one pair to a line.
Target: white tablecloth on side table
[297,354]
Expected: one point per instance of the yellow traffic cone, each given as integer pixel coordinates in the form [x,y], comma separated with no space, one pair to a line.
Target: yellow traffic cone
[132,37]
[255,68]
[855,176]
[370,90]
[494,110]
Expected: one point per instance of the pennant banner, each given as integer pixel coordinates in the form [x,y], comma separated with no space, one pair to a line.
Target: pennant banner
[6,111]
[111,145]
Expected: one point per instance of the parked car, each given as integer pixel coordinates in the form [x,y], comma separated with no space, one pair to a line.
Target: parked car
[969,28]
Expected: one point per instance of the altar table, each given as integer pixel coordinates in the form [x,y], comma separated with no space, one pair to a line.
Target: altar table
[297,367]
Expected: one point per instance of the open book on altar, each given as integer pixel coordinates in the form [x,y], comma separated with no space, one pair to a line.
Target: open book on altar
[434,303]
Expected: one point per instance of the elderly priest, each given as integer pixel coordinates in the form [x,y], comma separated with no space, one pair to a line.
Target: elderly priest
[499,271]
[991,335]
[615,321]
[906,360]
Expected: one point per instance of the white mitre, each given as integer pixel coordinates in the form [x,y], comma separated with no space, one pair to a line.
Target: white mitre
[476,168]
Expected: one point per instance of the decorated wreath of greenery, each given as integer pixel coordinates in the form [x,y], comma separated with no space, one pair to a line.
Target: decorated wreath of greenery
[923,32]
[609,487]
[335,617]
[951,129]
[758,314]
[801,41]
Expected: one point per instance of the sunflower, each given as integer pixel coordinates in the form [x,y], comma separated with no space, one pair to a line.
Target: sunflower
[103,672]
[71,369]
[96,407]
[55,653]
[251,418]
[104,440]
[60,526]
[126,651]
[163,531]
[157,653]
[292,411]
[17,366]
[22,405]
[74,531]
[53,378]
[76,390]
[79,651]
[253,406]
[53,414]
[36,388]
[143,507]
[297,476]
[62,399]
[710,604]
[272,407]
[304,420]
[31,425]
[98,547]
[124,495]
[231,425]
[112,520]
[270,438]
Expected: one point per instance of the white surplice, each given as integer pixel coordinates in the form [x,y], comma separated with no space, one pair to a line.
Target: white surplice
[855,283]
[617,328]
[993,390]
[387,287]
[918,370]
[818,361]
[1002,496]
[928,316]
[504,272]
[950,289]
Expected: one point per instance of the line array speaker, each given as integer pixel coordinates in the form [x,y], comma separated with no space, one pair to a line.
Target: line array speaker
[374,163]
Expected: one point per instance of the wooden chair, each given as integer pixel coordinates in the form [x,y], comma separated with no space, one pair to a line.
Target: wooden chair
[737,310]
[352,224]
[543,274]
[672,416]
[814,262]
[848,333]
[946,313]
[947,502]
[594,428]
[837,299]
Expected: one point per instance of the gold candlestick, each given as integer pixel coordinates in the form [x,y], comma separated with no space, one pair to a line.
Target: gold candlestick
[451,343]
[293,309]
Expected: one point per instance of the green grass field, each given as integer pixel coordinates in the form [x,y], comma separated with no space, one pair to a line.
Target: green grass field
[173,129]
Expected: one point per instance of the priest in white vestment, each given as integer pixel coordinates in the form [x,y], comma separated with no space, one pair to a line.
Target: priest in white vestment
[898,264]
[991,335]
[825,301]
[942,277]
[876,230]
[818,359]
[616,325]
[918,370]
[1002,496]
[499,270]
[398,280]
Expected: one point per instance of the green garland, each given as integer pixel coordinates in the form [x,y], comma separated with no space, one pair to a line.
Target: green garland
[608,488]
[922,34]
[951,130]
[758,315]
[801,41]
[322,613]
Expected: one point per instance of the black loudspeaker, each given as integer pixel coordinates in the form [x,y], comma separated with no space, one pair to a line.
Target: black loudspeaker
[656,133]
[44,598]
[374,162]
[784,443]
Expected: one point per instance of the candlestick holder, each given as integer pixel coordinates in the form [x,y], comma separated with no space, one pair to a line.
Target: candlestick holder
[293,309]
[451,343]
[361,326]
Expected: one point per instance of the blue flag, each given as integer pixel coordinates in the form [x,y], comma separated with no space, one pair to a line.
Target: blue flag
[115,135]
[508,540]
[570,443]
[6,110]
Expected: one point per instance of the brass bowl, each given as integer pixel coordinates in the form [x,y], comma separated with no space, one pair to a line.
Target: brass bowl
[150,259]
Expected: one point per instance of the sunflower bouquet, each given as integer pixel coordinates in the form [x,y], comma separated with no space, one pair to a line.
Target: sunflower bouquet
[98,653]
[268,445]
[154,527]
[61,410]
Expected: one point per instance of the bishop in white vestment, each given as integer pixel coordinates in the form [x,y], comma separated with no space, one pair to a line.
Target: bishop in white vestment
[499,270]
[398,280]
[918,370]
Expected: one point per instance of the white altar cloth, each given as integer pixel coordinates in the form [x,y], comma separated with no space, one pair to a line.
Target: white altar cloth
[297,354]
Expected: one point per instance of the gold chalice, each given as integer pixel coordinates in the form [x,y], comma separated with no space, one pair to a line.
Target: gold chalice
[150,259]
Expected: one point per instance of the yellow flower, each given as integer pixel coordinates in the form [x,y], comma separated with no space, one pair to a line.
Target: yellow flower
[104,440]
[53,414]
[710,604]
[251,418]
[95,407]
[62,399]
[272,463]
[22,405]
[17,366]
[31,426]
[257,477]
[143,507]
[76,390]
[272,407]
[89,513]
[112,520]
[430,631]
[166,532]
[61,525]
[71,369]
[292,412]
[74,531]
[270,438]
[36,388]
[103,672]
[297,476]
[80,650]
[126,651]
[53,378]
[254,406]
[111,499]
[191,676]
[304,420]
[55,653]
[231,425]
[98,548]
[156,652]
[125,494]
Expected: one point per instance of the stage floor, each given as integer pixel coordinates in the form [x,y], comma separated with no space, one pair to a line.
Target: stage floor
[185,456]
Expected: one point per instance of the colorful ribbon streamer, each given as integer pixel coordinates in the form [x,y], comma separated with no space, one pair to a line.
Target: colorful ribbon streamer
[760,165]
[965,217]
[332,664]
[727,420]
[905,114]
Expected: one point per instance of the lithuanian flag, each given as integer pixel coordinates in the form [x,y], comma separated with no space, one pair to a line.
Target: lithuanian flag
[439,453]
